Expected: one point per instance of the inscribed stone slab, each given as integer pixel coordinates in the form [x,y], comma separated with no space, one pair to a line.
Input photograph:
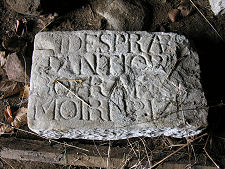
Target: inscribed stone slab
[109,85]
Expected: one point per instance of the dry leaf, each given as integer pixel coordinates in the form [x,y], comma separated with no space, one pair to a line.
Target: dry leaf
[20,26]
[5,129]
[9,88]
[20,118]
[173,14]
[8,114]
[25,93]
[2,58]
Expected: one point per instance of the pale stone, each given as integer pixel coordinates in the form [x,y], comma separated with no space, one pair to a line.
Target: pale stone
[128,84]
[217,6]
[121,15]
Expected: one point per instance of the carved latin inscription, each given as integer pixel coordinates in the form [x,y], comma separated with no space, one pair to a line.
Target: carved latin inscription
[105,79]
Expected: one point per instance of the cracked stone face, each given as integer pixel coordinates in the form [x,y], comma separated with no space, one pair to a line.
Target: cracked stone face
[108,85]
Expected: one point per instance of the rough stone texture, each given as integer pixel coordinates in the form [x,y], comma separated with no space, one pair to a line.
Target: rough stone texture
[133,84]
[15,68]
[217,6]
[120,14]
[27,7]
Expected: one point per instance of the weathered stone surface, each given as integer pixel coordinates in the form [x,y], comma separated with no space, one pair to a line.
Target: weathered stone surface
[27,7]
[128,84]
[217,6]
[120,14]
[15,68]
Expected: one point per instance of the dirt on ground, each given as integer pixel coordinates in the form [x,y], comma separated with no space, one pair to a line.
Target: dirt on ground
[206,32]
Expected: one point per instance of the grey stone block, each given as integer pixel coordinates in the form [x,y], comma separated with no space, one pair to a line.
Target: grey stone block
[121,15]
[217,6]
[108,85]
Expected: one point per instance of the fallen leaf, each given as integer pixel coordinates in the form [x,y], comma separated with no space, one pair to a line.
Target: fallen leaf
[8,114]
[20,118]
[25,93]
[9,88]
[2,58]
[173,14]
[4,128]
[20,26]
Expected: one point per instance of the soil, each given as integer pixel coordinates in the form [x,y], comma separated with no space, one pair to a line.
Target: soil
[78,15]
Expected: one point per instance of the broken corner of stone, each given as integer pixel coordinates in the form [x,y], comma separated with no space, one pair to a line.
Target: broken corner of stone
[217,6]
[110,85]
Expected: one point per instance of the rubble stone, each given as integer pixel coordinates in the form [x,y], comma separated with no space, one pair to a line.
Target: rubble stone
[15,68]
[121,15]
[26,7]
[109,85]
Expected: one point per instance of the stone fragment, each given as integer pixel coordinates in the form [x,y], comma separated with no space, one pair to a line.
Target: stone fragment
[26,7]
[217,6]
[121,15]
[108,85]
[14,68]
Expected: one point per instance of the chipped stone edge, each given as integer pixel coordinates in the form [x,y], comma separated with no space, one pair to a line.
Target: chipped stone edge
[117,134]
[216,8]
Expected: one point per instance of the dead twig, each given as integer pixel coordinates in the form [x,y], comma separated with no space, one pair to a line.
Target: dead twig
[207,20]
[179,149]
[192,147]
[189,166]
[50,140]
[108,158]
[204,148]
[98,150]
[65,155]
[132,147]
[72,92]
[146,151]
[127,159]
[7,163]
[47,25]
[139,162]
[92,11]
[68,80]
